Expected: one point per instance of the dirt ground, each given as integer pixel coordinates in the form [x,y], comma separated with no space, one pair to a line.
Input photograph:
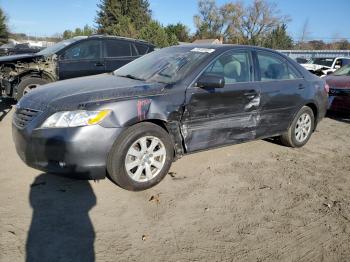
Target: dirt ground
[257,201]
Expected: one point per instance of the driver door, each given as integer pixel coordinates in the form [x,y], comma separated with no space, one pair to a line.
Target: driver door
[221,116]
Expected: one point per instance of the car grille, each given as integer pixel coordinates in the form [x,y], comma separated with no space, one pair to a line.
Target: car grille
[23,116]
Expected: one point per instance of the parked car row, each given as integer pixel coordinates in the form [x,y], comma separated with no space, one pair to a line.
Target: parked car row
[76,57]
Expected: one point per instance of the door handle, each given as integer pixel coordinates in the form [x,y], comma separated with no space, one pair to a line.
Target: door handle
[301,86]
[99,64]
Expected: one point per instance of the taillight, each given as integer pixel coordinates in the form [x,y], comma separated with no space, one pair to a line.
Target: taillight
[326,88]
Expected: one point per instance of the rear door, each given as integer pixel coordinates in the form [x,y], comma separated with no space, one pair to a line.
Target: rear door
[282,91]
[81,59]
[215,117]
[117,53]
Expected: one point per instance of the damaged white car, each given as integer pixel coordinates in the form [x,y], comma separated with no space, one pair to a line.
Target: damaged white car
[322,66]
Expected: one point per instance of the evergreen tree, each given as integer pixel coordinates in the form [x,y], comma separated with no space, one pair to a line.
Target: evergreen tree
[279,38]
[154,33]
[172,39]
[179,30]
[4,33]
[87,31]
[113,14]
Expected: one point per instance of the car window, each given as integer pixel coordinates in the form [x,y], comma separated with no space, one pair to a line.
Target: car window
[234,66]
[273,68]
[346,62]
[116,48]
[344,71]
[89,50]
[142,49]
[322,61]
[339,62]
[342,62]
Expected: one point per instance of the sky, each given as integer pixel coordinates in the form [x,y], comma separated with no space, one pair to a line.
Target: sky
[326,19]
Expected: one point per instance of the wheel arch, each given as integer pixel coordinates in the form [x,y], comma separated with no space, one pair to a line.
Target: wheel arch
[314,109]
[312,105]
[39,74]
[174,130]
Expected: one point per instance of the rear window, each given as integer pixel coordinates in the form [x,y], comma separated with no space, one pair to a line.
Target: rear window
[272,68]
[117,48]
[322,61]
[142,49]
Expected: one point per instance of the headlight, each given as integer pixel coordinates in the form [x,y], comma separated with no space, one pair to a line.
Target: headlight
[75,118]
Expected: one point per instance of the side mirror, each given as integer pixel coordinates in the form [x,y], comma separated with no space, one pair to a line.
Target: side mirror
[337,67]
[210,81]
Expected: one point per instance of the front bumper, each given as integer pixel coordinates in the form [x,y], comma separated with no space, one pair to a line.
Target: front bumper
[339,100]
[79,152]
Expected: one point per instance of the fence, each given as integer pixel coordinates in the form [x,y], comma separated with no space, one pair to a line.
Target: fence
[315,53]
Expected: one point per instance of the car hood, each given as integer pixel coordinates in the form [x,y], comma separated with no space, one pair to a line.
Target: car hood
[338,81]
[314,66]
[21,57]
[72,94]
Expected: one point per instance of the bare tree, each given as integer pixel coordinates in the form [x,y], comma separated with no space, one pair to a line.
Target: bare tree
[259,19]
[304,35]
[213,21]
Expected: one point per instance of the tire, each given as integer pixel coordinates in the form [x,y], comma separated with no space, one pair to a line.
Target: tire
[292,138]
[123,155]
[29,83]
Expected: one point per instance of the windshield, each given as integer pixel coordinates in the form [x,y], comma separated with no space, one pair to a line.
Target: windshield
[58,46]
[322,61]
[167,65]
[344,71]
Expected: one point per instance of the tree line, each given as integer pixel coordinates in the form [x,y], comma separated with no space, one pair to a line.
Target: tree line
[258,23]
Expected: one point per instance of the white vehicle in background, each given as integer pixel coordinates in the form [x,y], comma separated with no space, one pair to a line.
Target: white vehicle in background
[322,66]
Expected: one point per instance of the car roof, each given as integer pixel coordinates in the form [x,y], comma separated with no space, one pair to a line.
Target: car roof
[227,46]
[121,38]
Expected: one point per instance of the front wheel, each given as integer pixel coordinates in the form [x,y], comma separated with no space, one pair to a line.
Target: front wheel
[301,128]
[27,84]
[141,157]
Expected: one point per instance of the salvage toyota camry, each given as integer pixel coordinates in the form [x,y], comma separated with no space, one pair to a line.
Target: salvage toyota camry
[130,125]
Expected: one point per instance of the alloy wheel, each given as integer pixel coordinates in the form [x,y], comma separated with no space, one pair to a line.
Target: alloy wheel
[145,158]
[303,127]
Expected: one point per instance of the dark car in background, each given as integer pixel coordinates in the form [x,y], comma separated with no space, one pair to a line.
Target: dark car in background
[16,49]
[132,124]
[76,57]
[339,90]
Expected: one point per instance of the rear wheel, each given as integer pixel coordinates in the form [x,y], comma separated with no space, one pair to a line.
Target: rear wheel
[141,157]
[301,129]
[27,84]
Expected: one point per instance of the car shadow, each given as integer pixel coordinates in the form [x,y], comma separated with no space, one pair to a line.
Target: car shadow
[61,229]
[341,117]
[5,107]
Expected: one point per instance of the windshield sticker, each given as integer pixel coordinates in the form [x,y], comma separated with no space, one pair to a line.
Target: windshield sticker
[203,50]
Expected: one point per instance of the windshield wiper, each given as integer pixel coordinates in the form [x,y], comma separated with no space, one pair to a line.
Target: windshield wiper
[132,77]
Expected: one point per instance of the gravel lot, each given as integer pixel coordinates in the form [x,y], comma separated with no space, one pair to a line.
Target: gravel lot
[257,201]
